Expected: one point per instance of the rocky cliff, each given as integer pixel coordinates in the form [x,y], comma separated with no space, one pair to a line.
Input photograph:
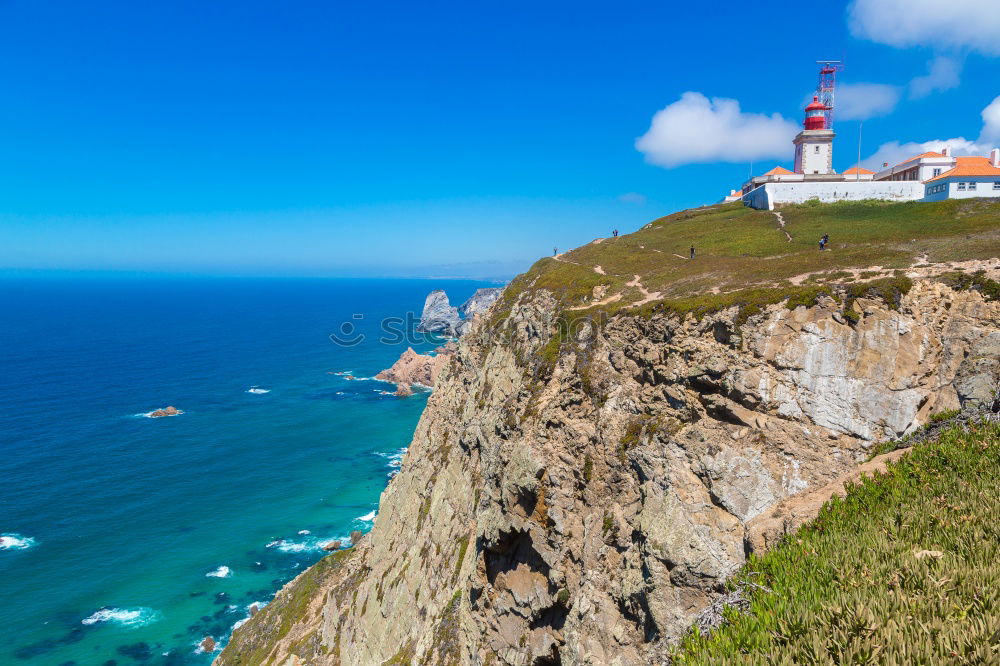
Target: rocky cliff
[578,489]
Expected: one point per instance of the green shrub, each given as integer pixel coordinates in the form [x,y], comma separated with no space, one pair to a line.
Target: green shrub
[904,570]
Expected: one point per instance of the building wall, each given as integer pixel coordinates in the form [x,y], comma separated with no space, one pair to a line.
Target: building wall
[814,152]
[767,196]
[984,187]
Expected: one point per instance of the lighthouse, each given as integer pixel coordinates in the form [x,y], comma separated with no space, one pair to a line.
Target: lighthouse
[814,144]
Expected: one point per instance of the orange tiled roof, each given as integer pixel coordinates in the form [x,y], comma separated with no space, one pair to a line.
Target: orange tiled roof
[921,156]
[857,170]
[779,171]
[970,166]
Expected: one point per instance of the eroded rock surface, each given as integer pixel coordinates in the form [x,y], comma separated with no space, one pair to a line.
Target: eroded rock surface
[439,316]
[583,507]
[414,368]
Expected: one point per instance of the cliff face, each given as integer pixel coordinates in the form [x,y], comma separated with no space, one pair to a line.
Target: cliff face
[580,503]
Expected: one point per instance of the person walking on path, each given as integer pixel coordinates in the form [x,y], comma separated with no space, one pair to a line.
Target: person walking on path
[555,251]
[692,251]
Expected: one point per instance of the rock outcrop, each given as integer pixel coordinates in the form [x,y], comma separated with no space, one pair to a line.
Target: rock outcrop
[414,368]
[480,301]
[439,316]
[579,501]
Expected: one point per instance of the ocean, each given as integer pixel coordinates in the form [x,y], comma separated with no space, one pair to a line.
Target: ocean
[128,539]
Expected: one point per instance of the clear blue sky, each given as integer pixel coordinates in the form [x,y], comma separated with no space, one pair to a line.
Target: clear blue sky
[335,138]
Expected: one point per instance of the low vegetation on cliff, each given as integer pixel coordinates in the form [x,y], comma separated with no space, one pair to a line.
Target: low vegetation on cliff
[904,570]
[747,257]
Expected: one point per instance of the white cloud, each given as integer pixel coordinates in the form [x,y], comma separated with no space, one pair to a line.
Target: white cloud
[991,123]
[944,25]
[695,129]
[632,198]
[861,101]
[895,152]
[943,73]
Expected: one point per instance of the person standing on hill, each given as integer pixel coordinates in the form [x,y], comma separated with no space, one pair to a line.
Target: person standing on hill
[692,251]
[555,251]
[615,233]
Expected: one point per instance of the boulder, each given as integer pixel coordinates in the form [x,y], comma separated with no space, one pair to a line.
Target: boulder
[403,390]
[331,546]
[208,644]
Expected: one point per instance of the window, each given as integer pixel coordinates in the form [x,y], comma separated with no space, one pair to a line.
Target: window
[996,185]
[937,172]
[972,186]
[961,186]
[817,149]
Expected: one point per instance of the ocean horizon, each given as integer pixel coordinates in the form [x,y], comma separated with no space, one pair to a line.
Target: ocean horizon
[128,539]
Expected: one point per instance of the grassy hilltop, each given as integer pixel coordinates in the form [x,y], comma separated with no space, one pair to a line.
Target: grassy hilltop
[745,257]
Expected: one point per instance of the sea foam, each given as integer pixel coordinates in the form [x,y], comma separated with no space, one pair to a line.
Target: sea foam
[368,517]
[258,390]
[221,572]
[126,617]
[11,541]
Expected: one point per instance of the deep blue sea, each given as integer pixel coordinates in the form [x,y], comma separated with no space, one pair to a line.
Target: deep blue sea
[128,539]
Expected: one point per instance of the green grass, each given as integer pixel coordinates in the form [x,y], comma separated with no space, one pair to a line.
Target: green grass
[743,255]
[853,586]
[252,643]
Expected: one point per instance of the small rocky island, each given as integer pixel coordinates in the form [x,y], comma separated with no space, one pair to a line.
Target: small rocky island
[170,410]
[439,317]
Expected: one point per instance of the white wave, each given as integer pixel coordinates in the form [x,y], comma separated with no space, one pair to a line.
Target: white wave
[368,517]
[258,390]
[221,572]
[126,617]
[304,532]
[240,623]
[395,458]
[12,541]
[310,543]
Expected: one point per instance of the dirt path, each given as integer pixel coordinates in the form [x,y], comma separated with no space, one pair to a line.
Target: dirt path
[647,296]
[919,269]
[781,225]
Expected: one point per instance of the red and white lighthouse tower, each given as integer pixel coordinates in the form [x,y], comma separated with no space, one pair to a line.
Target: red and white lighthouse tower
[814,144]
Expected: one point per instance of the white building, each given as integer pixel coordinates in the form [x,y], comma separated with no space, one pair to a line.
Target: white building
[970,177]
[922,168]
[931,176]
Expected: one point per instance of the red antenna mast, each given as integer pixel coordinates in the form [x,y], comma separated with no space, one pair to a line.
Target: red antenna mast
[827,85]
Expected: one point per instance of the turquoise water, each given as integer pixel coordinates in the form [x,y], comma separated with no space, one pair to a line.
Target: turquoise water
[129,539]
